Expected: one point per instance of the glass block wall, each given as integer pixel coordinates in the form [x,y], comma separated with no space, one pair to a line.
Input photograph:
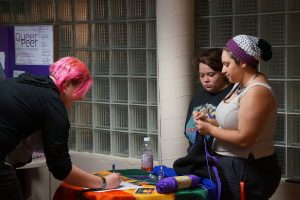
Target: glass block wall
[277,21]
[117,41]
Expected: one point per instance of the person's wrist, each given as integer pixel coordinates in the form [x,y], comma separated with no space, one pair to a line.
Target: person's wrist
[212,130]
[103,187]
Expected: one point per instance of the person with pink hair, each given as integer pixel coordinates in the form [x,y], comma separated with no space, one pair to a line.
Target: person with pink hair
[30,103]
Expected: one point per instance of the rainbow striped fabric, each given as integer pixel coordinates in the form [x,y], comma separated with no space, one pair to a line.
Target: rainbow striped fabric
[65,191]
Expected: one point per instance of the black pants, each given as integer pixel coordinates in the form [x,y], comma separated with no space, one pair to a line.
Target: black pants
[9,185]
[261,177]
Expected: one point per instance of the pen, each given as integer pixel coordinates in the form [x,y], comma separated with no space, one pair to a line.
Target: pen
[113,167]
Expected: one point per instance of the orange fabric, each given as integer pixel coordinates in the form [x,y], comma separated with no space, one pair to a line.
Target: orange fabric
[66,191]
[109,195]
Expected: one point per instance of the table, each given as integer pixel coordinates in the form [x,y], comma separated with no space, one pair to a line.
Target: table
[66,191]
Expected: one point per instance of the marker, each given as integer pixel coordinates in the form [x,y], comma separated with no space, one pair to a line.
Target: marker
[113,167]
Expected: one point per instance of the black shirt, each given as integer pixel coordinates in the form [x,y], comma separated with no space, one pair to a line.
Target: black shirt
[29,103]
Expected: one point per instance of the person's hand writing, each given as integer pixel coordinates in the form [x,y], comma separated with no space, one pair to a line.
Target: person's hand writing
[113,180]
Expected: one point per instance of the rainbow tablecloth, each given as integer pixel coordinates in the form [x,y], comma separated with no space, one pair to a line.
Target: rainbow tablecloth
[65,191]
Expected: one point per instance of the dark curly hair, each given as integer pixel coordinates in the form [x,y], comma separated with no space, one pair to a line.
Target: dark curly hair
[212,58]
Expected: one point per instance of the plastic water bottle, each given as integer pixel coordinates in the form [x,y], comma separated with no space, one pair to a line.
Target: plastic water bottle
[147,156]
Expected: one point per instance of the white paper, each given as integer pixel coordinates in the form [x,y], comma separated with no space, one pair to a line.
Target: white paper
[34,45]
[2,59]
[123,186]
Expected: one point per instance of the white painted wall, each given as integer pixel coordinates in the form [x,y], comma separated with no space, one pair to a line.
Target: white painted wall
[175,52]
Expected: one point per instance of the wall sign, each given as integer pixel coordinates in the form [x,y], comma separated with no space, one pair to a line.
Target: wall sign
[33,45]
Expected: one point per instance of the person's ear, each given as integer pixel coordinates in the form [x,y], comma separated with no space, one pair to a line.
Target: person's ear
[244,65]
[66,84]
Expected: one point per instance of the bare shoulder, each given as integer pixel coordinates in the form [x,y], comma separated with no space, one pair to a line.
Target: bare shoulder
[259,94]
[264,85]
[260,89]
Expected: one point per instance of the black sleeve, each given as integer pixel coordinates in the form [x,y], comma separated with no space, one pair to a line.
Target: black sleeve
[55,137]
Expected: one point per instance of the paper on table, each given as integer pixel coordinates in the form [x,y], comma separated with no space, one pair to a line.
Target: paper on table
[123,186]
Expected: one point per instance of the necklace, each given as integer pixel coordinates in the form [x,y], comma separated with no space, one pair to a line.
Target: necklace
[240,88]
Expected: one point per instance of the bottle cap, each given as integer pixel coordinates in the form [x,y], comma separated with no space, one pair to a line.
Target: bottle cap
[146,139]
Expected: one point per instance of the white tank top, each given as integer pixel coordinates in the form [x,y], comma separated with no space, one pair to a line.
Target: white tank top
[227,117]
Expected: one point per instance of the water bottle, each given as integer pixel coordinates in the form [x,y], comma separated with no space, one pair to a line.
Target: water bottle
[147,156]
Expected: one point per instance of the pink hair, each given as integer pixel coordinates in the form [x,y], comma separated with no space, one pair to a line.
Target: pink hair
[70,69]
